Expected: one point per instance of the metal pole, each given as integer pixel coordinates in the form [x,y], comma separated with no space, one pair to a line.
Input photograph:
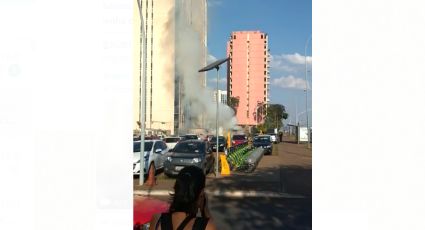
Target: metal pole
[298,133]
[142,96]
[306,91]
[216,126]
[296,113]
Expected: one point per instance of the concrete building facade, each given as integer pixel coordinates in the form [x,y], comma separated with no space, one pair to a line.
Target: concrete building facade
[163,92]
[248,74]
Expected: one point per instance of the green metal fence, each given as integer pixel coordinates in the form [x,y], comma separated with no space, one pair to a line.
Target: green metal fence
[236,155]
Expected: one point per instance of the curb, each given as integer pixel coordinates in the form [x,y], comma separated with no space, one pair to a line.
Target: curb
[221,193]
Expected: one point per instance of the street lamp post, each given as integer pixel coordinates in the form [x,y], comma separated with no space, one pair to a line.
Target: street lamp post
[215,65]
[306,91]
[142,96]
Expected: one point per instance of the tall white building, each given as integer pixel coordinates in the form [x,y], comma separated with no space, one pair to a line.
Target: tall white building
[222,96]
[163,91]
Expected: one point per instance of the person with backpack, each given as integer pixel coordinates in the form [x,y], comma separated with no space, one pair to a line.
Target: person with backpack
[189,199]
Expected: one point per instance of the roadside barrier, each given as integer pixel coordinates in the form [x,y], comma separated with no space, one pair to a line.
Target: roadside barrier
[236,155]
[243,158]
[225,169]
[252,159]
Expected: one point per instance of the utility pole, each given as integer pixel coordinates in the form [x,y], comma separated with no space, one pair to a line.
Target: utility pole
[306,90]
[215,65]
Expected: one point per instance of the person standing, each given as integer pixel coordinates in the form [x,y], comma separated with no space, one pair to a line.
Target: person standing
[188,199]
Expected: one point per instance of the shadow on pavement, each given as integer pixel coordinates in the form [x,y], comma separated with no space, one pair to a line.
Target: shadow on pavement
[262,213]
[290,179]
[265,212]
[297,180]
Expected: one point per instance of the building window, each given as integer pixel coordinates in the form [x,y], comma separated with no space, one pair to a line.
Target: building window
[247,114]
[265,73]
[262,36]
[234,36]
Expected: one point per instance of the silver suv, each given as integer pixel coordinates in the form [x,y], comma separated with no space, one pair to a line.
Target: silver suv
[155,151]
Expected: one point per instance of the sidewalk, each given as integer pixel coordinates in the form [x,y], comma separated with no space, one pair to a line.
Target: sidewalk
[286,173]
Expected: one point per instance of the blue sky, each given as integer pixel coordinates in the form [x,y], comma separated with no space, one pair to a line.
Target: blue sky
[288,24]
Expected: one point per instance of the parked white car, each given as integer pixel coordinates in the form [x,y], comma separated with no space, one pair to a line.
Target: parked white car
[273,137]
[171,141]
[154,154]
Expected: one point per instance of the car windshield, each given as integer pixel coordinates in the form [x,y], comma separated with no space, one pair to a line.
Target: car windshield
[220,139]
[262,139]
[172,139]
[238,137]
[191,137]
[136,146]
[190,147]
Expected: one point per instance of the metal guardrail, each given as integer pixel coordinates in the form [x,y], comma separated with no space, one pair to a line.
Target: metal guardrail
[252,160]
[236,155]
[244,157]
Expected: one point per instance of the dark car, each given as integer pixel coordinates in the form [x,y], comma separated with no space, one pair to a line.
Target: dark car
[263,141]
[190,137]
[221,143]
[189,152]
[238,139]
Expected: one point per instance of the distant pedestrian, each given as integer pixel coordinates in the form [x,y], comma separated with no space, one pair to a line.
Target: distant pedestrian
[280,136]
[188,198]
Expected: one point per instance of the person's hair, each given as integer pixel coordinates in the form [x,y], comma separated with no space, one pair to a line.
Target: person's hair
[189,183]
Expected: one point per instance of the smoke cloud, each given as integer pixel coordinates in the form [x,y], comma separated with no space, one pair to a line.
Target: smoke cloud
[197,100]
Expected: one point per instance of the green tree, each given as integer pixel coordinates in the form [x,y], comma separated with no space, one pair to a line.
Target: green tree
[275,114]
[260,128]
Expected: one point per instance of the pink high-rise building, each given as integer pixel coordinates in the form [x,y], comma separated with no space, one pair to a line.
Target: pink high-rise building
[248,75]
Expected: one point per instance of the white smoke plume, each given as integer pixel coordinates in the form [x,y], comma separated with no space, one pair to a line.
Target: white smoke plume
[197,101]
